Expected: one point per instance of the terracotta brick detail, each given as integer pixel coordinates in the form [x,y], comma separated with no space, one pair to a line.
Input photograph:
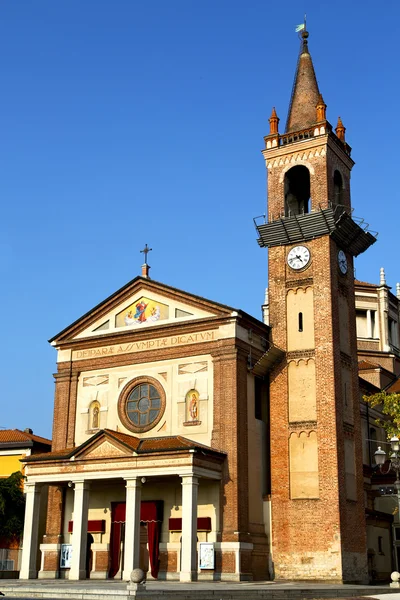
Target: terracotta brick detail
[102,560]
[51,561]
[169,561]
[230,433]
[245,561]
[224,562]
[64,406]
[54,523]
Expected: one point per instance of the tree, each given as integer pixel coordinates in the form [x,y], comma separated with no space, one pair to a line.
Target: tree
[12,506]
[389,405]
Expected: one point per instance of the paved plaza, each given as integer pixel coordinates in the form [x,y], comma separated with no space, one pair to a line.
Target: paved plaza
[201,590]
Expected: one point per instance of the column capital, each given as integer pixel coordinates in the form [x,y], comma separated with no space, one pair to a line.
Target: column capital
[82,484]
[189,479]
[133,482]
[32,486]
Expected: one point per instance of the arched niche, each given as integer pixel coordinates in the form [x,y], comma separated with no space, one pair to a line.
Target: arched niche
[192,405]
[297,191]
[94,415]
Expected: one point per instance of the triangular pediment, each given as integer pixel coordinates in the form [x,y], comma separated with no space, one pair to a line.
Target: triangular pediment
[105,450]
[103,445]
[141,304]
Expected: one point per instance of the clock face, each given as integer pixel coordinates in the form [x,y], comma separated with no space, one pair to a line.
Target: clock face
[298,257]
[342,261]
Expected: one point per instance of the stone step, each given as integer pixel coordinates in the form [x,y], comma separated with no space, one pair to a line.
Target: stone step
[158,590]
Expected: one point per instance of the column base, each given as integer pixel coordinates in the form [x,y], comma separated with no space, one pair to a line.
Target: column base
[188,576]
[98,574]
[31,574]
[81,574]
[49,575]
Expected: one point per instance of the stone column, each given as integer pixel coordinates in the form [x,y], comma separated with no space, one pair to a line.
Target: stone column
[132,527]
[189,528]
[31,530]
[79,534]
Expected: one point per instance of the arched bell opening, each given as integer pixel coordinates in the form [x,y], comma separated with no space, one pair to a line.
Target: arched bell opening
[337,188]
[297,191]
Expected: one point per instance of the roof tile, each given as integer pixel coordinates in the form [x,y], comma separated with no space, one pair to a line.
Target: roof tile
[16,435]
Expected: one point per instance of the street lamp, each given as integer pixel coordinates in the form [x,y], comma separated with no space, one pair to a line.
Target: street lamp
[380,459]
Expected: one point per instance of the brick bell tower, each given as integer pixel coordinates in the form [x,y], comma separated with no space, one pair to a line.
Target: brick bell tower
[318,514]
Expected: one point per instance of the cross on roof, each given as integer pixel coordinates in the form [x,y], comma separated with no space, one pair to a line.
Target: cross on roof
[145,251]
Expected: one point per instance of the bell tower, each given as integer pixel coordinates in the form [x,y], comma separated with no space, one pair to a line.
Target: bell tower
[318,514]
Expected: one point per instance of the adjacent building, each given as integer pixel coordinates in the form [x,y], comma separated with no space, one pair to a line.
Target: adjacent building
[15,445]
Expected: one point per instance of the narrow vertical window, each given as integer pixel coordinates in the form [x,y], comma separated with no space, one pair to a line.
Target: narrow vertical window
[380,546]
[300,321]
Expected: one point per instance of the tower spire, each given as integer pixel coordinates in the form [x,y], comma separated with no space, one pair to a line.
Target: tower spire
[305,92]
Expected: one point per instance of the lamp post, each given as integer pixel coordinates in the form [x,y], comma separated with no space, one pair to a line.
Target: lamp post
[380,459]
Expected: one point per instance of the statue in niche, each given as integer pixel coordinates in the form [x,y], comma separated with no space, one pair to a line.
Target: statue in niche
[194,407]
[95,417]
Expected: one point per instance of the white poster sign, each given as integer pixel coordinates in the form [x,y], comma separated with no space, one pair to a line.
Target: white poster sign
[206,555]
[65,556]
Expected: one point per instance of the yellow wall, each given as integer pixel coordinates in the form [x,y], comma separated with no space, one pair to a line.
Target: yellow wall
[10,464]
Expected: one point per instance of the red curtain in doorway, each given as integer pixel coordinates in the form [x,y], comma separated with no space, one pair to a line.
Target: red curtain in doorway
[151,513]
[118,511]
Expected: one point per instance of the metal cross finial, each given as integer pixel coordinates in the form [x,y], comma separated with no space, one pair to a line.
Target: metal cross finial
[145,251]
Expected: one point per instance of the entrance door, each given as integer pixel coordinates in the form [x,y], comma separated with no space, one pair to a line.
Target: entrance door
[151,518]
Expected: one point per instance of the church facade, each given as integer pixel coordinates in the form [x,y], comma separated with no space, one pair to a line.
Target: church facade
[159,442]
[195,441]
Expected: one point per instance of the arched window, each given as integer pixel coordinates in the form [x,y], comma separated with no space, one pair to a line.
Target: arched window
[297,191]
[94,415]
[337,188]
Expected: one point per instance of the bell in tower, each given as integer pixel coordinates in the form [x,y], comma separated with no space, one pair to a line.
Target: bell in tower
[319,529]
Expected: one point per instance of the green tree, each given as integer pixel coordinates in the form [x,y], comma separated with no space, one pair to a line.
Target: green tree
[12,506]
[388,405]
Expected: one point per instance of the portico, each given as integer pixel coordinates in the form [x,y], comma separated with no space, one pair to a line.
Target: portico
[140,481]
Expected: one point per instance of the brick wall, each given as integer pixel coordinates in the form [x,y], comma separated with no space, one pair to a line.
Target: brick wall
[316,538]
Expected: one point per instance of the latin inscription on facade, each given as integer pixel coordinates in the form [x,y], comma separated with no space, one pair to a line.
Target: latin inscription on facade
[154,344]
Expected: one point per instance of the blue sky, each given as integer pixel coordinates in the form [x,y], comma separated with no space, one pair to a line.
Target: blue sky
[126,122]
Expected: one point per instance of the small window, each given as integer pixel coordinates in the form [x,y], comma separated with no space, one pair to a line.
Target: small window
[300,321]
[380,544]
[337,188]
